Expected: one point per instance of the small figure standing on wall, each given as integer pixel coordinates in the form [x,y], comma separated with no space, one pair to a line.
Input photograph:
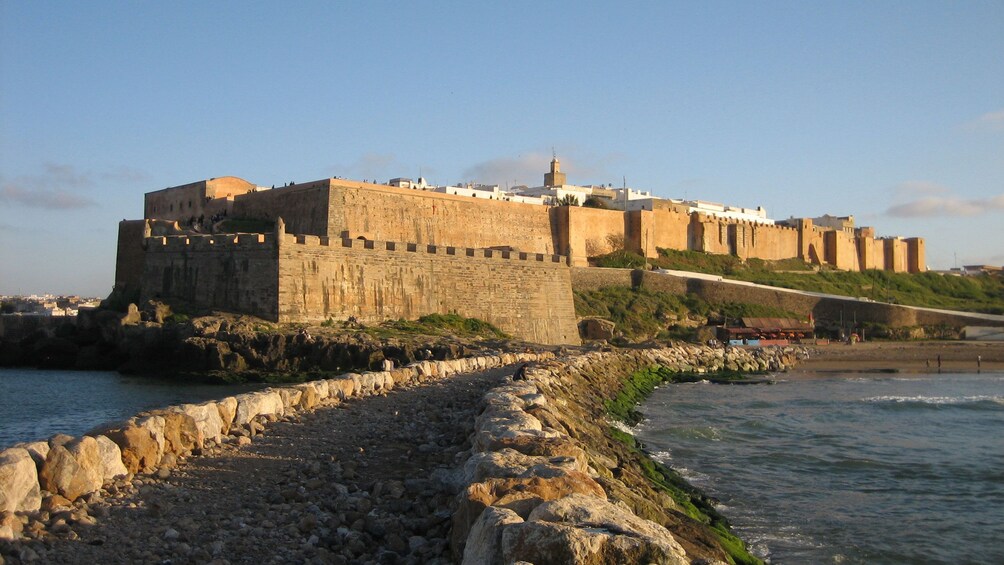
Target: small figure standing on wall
[979,363]
[520,374]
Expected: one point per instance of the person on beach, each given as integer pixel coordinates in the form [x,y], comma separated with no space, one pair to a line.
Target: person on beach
[979,362]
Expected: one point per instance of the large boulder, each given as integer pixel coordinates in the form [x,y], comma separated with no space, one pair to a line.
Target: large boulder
[262,403]
[583,529]
[181,434]
[19,490]
[74,469]
[207,421]
[520,495]
[38,450]
[484,544]
[227,409]
[308,396]
[111,459]
[140,451]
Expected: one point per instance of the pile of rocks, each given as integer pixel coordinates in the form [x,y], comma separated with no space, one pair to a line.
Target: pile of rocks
[544,483]
[46,486]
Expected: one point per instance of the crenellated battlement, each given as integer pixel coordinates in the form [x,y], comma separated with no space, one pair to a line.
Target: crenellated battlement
[223,241]
[207,242]
[406,247]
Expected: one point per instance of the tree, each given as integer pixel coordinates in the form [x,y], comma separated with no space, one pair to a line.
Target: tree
[594,202]
[567,200]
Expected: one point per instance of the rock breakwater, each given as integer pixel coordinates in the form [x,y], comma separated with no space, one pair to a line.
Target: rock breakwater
[549,482]
[411,474]
[41,481]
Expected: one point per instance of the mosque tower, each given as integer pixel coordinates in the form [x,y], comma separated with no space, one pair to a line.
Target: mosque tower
[555,177]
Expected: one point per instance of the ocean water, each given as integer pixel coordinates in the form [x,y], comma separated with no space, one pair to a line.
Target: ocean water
[37,404]
[845,469]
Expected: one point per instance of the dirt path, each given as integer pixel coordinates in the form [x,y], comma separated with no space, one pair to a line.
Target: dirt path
[353,483]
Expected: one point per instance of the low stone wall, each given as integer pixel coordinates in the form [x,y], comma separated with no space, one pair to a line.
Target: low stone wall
[45,475]
[547,483]
[823,308]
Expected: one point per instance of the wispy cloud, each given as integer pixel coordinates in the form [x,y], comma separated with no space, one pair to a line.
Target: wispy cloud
[992,121]
[370,166]
[529,168]
[525,169]
[920,199]
[60,186]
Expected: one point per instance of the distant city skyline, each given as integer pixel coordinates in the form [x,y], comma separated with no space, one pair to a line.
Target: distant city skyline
[892,112]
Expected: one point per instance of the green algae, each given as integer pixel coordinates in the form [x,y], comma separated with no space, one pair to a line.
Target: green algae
[692,502]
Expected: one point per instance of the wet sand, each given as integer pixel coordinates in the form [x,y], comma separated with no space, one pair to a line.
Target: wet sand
[905,357]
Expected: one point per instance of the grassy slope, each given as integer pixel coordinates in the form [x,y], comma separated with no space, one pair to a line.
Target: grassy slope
[642,313]
[983,293]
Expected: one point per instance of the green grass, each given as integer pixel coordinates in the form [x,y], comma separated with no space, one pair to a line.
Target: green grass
[981,293]
[693,502]
[642,313]
[439,325]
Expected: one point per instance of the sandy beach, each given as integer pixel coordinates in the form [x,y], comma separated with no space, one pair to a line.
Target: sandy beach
[905,357]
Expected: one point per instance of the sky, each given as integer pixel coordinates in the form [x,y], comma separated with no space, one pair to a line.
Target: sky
[890,111]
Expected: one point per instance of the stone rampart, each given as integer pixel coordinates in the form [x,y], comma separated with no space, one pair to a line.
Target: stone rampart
[235,272]
[525,294]
[302,206]
[309,278]
[387,213]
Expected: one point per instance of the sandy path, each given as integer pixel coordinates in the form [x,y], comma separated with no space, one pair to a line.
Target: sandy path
[352,483]
[907,356]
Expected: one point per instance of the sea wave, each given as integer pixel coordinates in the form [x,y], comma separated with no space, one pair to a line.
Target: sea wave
[976,401]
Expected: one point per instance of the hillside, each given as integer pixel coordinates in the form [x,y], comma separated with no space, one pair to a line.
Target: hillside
[983,293]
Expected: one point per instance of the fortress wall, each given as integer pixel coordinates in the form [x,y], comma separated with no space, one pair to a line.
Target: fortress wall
[841,250]
[303,207]
[524,294]
[771,242]
[234,272]
[177,203]
[659,229]
[387,213]
[866,251]
[878,254]
[709,234]
[916,255]
[588,232]
[595,278]
[130,256]
[895,255]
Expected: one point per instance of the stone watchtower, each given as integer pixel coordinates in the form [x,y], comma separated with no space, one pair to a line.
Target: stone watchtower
[555,177]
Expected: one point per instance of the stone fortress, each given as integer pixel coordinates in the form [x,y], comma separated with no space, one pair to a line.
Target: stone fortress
[339,249]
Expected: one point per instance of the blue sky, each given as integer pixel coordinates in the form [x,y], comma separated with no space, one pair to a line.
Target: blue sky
[890,111]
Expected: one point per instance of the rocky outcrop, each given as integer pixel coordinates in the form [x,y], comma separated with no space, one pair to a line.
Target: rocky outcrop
[149,339]
[547,483]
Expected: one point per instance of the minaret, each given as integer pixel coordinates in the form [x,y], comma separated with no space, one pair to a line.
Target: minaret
[555,177]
